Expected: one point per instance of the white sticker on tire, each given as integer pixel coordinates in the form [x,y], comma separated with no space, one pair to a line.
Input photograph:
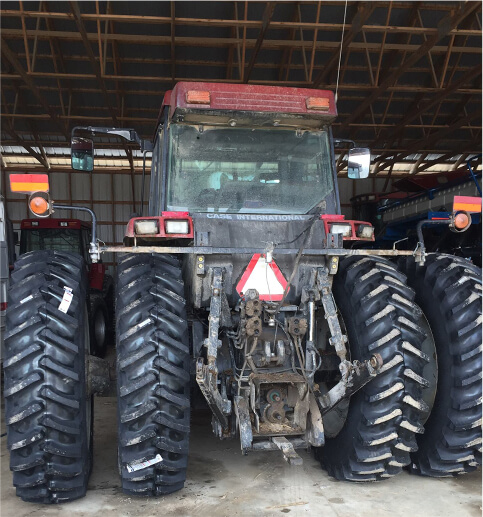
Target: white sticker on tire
[66,300]
[26,299]
[142,464]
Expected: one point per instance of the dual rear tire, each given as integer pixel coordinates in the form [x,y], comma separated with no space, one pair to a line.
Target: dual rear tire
[47,411]
[375,435]
[153,379]
[448,289]
[421,323]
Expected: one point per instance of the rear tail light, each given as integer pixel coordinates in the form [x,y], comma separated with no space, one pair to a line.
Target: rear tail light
[148,227]
[341,229]
[365,231]
[3,306]
[350,230]
[177,226]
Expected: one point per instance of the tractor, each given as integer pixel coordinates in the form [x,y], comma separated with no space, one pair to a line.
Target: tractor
[245,284]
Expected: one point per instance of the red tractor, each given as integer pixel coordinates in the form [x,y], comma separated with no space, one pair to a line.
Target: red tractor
[244,278]
[73,235]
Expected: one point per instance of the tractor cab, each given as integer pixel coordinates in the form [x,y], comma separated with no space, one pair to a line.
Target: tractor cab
[55,234]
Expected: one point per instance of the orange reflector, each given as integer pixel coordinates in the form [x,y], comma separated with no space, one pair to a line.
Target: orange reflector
[29,183]
[39,205]
[467,203]
[197,97]
[317,103]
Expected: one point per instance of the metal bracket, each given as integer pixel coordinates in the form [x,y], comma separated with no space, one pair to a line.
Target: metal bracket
[207,381]
[356,376]
[212,342]
[338,339]
[207,374]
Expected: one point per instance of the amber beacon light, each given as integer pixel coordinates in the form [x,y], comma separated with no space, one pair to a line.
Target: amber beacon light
[40,205]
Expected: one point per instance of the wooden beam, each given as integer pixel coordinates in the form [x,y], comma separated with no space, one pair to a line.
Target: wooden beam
[312,55]
[384,36]
[213,42]
[286,60]
[24,30]
[244,44]
[251,24]
[301,33]
[231,50]
[120,90]
[267,17]
[173,42]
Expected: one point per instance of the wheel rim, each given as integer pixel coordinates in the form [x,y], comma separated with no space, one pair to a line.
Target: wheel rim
[100,328]
[430,371]
[335,419]
[88,398]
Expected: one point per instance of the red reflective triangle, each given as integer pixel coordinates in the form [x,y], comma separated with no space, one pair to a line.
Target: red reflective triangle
[267,279]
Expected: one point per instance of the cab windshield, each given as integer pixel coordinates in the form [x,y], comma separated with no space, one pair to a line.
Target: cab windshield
[240,170]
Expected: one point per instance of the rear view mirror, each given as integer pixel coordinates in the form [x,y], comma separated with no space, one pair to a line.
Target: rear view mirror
[82,154]
[359,163]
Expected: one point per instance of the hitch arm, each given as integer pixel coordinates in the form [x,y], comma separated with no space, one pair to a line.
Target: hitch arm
[207,374]
[356,376]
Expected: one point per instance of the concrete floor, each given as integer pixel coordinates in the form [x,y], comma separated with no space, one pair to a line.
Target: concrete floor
[221,482]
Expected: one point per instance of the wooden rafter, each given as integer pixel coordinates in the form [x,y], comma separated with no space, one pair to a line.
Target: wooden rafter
[364,10]
[286,60]
[97,71]
[267,17]
[421,99]
[445,25]
[219,42]
[422,107]
[173,41]
[10,56]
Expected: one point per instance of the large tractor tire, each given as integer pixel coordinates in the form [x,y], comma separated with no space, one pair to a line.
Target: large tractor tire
[47,413]
[376,432]
[448,289]
[153,379]
[98,324]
